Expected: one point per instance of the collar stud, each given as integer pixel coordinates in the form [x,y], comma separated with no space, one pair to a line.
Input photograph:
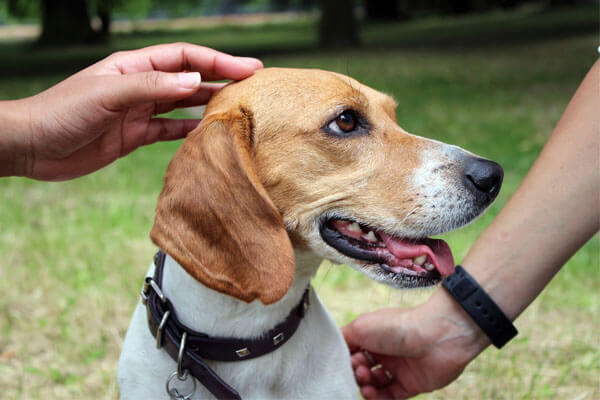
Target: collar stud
[278,338]
[243,352]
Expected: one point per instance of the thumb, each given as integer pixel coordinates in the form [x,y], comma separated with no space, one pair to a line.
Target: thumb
[152,87]
[385,332]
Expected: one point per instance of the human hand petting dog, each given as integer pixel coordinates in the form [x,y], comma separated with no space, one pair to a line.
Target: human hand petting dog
[106,111]
[550,216]
[412,351]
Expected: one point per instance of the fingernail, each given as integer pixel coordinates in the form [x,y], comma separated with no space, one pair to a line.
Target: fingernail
[251,61]
[369,357]
[189,80]
[388,374]
[376,367]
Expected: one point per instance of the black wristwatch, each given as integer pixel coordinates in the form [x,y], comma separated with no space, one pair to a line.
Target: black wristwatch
[478,304]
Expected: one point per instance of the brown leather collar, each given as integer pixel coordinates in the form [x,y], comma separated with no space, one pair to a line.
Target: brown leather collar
[189,348]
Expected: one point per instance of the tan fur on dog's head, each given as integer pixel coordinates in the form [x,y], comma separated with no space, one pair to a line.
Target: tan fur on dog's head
[269,160]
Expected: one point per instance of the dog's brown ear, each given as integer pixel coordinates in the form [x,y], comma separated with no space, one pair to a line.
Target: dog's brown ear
[215,218]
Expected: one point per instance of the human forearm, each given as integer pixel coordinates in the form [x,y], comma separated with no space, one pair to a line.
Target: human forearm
[552,214]
[14,136]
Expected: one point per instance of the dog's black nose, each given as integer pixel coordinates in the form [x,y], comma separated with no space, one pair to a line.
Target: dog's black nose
[484,176]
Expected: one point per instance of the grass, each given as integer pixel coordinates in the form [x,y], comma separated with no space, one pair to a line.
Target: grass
[74,253]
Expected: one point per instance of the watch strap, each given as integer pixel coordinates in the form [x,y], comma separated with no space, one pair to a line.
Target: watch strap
[478,304]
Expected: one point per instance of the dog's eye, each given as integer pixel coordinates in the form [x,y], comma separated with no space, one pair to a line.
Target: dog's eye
[347,124]
[344,124]
[346,121]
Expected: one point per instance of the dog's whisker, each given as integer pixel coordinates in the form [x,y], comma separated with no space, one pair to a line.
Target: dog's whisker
[399,223]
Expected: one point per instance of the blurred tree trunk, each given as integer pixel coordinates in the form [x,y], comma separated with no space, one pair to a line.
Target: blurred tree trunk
[338,27]
[65,22]
[388,10]
[382,9]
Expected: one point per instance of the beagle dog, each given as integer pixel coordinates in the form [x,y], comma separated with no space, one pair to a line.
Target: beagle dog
[289,167]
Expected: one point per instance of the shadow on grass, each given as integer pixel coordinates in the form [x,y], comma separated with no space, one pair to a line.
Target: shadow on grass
[442,34]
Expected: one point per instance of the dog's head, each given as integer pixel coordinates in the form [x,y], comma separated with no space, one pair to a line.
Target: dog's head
[317,160]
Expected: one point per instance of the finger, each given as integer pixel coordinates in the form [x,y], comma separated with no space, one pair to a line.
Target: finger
[212,64]
[252,61]
[157,130]
[359,359]
[363,375]
[369,357]
[350,337]
[368,392]
[368,371]
[353,349]
[201,97]
[164,129]
[106,149]
[395,392]
[380,376]
[371,392]
[126,91]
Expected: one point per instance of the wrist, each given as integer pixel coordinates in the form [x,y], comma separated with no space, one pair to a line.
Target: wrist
[456,325]
[15,135]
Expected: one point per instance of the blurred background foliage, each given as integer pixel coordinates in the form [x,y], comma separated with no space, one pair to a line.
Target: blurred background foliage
[85,21]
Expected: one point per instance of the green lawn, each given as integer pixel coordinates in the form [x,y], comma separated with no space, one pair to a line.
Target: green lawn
[73,254]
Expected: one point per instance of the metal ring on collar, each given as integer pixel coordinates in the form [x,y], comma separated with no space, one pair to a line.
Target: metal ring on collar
[159,292]
[149,283]
[161,328]
[180,371]
[173,392]
[144,291]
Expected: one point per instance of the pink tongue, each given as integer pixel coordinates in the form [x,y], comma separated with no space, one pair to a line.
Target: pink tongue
[438,251]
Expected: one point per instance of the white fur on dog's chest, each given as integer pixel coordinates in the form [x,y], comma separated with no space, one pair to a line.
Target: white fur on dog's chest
[314,363]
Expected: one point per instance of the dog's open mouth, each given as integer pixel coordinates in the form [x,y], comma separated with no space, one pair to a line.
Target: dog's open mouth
[424,260]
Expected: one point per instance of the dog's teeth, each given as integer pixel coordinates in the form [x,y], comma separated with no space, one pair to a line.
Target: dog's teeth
[429,267]
[371,237]
[420,260]
[354,227]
